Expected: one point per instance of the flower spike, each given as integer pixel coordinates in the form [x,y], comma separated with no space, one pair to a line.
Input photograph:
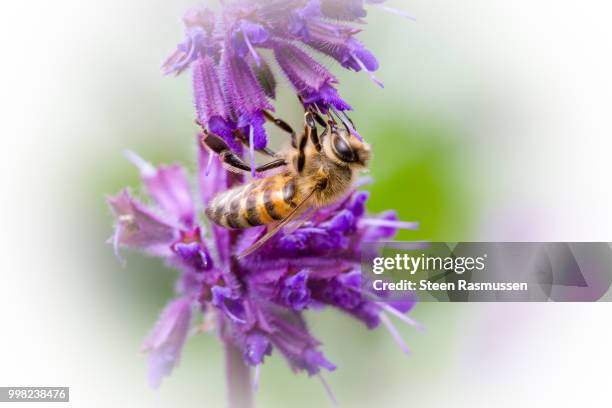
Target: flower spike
[259,302]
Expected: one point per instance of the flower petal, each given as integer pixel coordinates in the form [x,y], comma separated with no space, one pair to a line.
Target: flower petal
[342,222]
[338,292]
[256,32]
[166,341]
[338,42]
[325,98]
[209,99]
[304,73]
[243,89]
[298,20]
[357,206]
[139,228]
[200,23]
[169,186]
[246,96]
[289,334]
[314,360]
[313,82]
[378,232]
[230,304]
[257,346]
[193,255]
[295,292]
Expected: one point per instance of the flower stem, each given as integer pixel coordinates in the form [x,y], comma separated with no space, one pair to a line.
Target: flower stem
[239,387]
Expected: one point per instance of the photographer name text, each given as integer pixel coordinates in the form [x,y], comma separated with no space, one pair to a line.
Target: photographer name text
[437,264]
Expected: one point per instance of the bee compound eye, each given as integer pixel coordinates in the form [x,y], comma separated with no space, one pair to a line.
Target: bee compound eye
[343,149]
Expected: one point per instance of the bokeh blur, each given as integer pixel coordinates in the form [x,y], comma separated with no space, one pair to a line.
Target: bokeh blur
[493,125]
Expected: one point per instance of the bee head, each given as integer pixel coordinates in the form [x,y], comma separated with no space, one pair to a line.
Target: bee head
[346,148]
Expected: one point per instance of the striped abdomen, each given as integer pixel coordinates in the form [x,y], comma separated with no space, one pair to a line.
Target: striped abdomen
[260,202]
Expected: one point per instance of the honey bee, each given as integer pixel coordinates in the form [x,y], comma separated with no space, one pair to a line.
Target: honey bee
[317,171]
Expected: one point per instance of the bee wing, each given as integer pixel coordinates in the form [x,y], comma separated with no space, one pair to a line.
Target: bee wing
[308,214]
[278,227]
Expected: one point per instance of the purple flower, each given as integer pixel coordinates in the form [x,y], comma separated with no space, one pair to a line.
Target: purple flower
[259,300]
[211,107]
[247,98]
[229,303]
[315,360]
[225,49]
[338,42]
[167,231]
[246,36]
[199,41]
[256,347]
[298,19]
[193,256]
[313,82]
[294,291]
[139,228]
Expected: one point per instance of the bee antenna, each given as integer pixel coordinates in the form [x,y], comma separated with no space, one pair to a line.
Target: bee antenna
[350,121]
[346,121]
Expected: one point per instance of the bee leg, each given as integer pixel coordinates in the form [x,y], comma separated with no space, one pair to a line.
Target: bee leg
[272,165]
[315,112]
[265,150]
[311,129]
[319,119]
[218,145]
[268,152]
[281,124]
